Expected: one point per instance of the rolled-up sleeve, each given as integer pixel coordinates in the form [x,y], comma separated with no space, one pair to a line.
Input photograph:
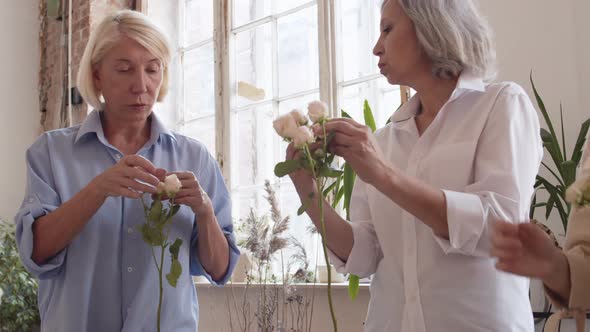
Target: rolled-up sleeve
[366,251]
[508,157]
[212,182]
[40,199]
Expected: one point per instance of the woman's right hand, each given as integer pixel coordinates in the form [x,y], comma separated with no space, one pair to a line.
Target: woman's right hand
[124,178]
[524,249]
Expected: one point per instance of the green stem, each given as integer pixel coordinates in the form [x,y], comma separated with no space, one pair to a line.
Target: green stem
[161,287]
[323,236]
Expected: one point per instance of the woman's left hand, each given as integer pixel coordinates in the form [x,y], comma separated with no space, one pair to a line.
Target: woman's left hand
[357,145]
[192,194]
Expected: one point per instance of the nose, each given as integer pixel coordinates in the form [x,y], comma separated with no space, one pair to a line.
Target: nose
[139,82]
[378,49]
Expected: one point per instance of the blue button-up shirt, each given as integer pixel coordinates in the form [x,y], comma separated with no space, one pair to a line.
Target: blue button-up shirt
[105,279]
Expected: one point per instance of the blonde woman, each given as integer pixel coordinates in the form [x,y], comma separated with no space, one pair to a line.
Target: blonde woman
[460,154]
[76,228]
[524,249]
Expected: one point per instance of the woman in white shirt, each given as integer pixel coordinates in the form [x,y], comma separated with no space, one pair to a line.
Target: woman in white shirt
[459,155]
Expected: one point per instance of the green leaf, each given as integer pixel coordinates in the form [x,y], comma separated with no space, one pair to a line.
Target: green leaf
[305,204]
[349,177]
[549,207]
[577,153]
[368,114]
[542,108]
[345,115]
[175,248]
[151,235]
[562,131]
[175,272]
[175,209]
[550,143]
[155,211]
[286,167]
[569,173]
[329,172]
[331,187]
[353,286]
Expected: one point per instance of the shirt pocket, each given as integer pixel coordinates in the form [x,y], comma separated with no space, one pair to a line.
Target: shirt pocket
[449,166]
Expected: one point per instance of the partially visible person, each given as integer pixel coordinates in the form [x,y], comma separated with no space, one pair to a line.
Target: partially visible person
[77,226]
[526,250]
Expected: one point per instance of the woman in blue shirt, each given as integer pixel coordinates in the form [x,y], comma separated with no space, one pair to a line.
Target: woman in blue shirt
[76,229]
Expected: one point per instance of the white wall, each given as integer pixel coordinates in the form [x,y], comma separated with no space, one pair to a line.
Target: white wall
[19,114]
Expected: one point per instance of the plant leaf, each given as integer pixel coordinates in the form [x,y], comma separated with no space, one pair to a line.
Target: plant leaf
[549,206]
[286,167]
[329,172]
[175,248]
[562,131]
[345,115]
[175,272]
[349,177]
[305,204]
[353,286]
[550,143]
[368,114]
[542,108]
[155,211]
[569,173]
[175,209]
[577,153]
[151,235]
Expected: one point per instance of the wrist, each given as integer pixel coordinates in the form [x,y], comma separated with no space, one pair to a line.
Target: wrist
[386,179]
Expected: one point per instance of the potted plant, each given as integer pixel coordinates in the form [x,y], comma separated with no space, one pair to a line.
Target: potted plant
[18,303]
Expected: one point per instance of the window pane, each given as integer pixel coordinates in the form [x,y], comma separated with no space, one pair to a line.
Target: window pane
[199,82]
[286,5]
[357,30]
[254,146]
[198,21]
[298,52]
[299,103]
[253,60]
[203,130]
[383,98]
[246,11]
[165,15]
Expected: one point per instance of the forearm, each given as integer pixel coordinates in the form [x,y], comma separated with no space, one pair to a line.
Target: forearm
[423,201]
[557,278]
[339,236]
[212,246]
[54,231]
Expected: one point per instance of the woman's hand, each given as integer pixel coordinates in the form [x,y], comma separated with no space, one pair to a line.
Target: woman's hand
[192,195]
[524,249]
[357,145]
[132,176]
[302,178]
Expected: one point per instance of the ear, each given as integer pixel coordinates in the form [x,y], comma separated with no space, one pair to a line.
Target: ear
[96,78]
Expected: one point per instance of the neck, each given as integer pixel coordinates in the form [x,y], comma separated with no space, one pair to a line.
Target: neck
[433,93]
[125,134]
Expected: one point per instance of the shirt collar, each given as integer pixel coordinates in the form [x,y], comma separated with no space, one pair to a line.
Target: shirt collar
[467,82]
[93,124]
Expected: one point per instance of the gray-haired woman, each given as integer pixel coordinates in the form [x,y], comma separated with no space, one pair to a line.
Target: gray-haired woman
[459,155]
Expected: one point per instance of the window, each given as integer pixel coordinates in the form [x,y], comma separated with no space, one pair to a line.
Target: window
[290,52]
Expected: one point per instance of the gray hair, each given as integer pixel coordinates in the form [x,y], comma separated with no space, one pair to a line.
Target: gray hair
[454,35]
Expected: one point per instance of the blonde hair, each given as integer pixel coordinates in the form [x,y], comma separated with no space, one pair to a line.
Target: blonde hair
[133,25]
[454,35]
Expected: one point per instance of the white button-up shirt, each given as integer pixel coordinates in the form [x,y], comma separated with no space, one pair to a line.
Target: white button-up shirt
[483,150]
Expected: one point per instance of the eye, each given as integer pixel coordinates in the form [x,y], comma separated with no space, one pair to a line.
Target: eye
[122,69]
[386,29]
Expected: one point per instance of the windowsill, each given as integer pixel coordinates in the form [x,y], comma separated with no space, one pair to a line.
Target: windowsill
[339,285]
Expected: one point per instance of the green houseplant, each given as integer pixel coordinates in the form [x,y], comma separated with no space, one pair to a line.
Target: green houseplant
[563,172]
[18,304]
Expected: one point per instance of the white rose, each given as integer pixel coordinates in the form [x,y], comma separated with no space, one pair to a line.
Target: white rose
[303,135]
[299,117]
[285,125]
[170,186]
[316,110]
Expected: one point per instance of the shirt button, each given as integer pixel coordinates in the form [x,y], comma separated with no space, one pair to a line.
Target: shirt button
[130,269]
[130,230]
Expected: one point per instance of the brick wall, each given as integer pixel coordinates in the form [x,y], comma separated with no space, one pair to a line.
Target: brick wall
[53,66]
